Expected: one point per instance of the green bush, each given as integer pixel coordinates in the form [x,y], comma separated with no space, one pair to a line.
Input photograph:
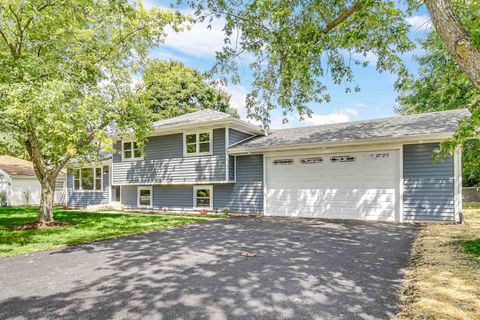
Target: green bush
[3,199]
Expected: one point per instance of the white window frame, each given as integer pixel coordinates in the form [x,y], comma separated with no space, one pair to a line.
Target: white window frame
[94,178]
[139,188]
[200,187]
[197,142]
[133,158]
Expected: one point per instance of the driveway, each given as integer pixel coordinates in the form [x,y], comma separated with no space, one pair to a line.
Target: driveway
[303,269]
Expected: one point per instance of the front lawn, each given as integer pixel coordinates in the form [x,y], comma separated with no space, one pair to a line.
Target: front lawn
[85,227]
[443,281]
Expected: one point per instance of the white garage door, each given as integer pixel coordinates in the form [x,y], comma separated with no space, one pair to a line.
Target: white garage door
[360,185]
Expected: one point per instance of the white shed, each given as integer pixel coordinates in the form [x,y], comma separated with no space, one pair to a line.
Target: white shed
[20,185]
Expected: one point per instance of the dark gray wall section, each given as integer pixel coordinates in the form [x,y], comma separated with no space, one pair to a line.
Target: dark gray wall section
[428,187]
[129,196]
[83,199]
[173,197]
[246,195]
[231,168]
[164,162]
[237,136]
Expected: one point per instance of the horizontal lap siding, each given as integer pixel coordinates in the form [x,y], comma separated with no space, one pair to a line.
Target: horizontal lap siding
[237,136]
[246,194]
[164,163]
[428,186]
[83,199]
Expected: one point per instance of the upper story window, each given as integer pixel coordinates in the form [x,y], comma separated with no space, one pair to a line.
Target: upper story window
[198,143]
[87,179]
[130,151]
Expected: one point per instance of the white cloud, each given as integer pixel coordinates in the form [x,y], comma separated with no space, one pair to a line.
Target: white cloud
[343,115]
[420,22]
[237,101]
[369,57]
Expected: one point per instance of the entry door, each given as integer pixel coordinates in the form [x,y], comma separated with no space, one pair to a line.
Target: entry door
[361,185]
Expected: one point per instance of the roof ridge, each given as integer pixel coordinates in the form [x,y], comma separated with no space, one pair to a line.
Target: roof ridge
[338,124]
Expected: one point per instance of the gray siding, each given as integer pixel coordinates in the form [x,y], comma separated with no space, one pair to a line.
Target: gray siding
[83,199]
[246,195]
[231,168]
[164,163]
[129,196]
[428,186]
[175,198]
[235,136]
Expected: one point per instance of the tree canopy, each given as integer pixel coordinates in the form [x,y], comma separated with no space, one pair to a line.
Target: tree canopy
[67,74]
[442,85]
[173,89]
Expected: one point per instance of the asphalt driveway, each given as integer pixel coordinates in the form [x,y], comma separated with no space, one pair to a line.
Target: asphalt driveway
[303,269]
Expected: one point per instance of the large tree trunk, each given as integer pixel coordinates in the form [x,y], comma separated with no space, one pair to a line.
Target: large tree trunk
[45,212]
[456,38]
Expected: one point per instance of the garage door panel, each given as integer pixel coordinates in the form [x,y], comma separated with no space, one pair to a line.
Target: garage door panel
[363,189]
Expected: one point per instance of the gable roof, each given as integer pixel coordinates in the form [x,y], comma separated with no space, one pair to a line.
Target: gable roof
[19,167]
[441,123]
[204,117]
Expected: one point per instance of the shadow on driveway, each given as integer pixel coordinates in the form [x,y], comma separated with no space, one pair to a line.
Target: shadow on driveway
[303,269]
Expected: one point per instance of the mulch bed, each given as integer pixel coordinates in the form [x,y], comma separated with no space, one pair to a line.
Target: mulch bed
[39,225]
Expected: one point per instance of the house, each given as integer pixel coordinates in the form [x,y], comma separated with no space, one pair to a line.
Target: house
[381,169]
[20,185]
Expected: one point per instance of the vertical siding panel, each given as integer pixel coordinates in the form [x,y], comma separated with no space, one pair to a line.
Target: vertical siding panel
[428,186]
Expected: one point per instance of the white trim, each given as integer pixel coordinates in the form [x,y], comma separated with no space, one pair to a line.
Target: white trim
[123,141]
[457,174]
[195,188]
[291,147]
[265,211]
[94,178]
[401,186]
[139,188]
[197,133]
[243,140]
[227,160]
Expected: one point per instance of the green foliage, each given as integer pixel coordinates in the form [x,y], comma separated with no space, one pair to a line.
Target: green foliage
[296,45]
[67,69]
[173,89]
[442,85]
[3,198]
[472,247]
[86,227]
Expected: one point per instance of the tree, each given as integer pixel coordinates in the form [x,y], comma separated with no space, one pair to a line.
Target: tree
[442,85]
[173,89]
[296,44]
[67,69]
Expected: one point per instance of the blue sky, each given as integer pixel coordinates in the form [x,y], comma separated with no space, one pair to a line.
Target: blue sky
[196,48]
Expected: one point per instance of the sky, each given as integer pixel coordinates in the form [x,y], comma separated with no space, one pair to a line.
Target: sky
[196,48]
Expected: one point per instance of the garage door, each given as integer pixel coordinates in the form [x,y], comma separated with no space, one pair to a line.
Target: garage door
[347,186]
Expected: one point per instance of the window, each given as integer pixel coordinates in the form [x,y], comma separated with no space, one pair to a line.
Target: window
[198,143]
[87,179]
[144,195]
[202,197]
[131,151]
[311,160]
[338,159]
[282,162]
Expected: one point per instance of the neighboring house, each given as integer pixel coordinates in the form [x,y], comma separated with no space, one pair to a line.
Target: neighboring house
[378,169]
[20,184]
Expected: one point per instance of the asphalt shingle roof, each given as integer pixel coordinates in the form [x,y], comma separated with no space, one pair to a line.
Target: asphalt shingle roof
[19,167]
[394,127]
[197,117]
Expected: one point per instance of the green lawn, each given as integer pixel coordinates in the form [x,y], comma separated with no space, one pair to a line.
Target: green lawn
[472,246]
[471,205]
[86,227]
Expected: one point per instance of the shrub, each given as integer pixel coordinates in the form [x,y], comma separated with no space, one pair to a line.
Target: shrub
[3,199]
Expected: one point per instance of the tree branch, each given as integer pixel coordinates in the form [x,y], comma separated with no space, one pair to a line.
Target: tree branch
[344,15]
